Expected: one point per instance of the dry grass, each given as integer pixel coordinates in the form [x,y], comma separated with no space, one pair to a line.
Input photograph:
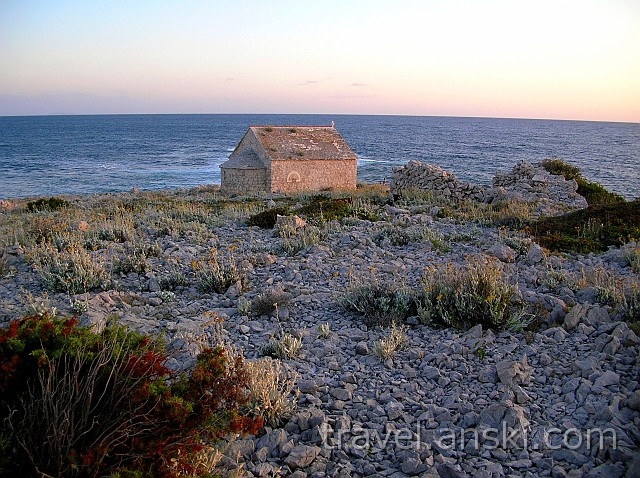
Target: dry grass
[218,272]
[324,330]
[270,384]
[304,237]
[386,347]
[511,212]
[631,253]
[284,346]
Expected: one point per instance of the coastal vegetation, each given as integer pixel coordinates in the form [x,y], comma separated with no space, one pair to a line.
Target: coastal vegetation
[593,229]
[594,193]
[219,297]
[79,403]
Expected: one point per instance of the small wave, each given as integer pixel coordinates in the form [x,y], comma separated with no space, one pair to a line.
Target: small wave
[376,161]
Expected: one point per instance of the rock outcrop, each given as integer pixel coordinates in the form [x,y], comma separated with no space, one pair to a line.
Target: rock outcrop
[550,194]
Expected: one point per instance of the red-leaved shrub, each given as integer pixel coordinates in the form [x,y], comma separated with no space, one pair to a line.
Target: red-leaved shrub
[76,403]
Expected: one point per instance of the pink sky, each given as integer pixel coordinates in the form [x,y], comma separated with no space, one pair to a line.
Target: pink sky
[534,59]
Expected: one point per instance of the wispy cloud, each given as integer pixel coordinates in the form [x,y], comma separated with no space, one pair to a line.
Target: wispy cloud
[349,97]
[308,82]
[356,84]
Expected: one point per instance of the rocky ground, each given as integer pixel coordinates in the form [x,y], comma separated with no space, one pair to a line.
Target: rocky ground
[448,403]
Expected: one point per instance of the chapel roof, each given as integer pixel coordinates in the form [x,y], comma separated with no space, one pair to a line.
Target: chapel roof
[303,142]
[246,159]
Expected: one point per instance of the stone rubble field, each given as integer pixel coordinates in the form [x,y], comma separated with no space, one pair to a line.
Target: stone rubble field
[577,371]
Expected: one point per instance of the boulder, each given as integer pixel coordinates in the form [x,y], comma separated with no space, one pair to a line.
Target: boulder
[511,372]
[301,456]
[289,223]
[535,254]
[588,314]
[502,252]
[505,414]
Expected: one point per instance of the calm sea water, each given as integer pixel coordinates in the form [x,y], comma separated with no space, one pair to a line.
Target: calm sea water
[49,155]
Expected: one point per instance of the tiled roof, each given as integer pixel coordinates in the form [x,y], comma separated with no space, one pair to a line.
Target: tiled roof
[302,142]
[247,159]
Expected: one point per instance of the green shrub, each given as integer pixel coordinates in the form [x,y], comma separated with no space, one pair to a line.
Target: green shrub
[463,296]
[131,262]
[327,208]
[380,303]
[593,229]
[301,239]
[561,168]
[71,270]
[46,204]
[594,193]
[78,403]
[171,280]
[218,272]
[267,219]
[401,236]
[119,229]
[135,258]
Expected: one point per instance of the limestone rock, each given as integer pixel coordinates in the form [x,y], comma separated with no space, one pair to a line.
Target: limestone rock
[634,401]
[587,314]
[535,255]
[289,222]
[265,259]
[272,441]
[607,378]
[240,448]
[511,372]
[301,456]
[606,470]
[513,416]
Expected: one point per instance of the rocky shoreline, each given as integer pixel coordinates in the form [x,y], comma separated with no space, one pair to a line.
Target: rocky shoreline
[560,400]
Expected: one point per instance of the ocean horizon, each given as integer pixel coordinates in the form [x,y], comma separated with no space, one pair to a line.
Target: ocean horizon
[87,154]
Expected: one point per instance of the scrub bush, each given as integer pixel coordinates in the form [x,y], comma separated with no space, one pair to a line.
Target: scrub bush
[71,269]
[380,303]
[267,219]
[77,403]
[594,193]
[463,296]
[46,204]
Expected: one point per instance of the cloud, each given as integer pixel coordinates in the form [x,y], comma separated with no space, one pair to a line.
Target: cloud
[308,82]
[357,84]
[349,97]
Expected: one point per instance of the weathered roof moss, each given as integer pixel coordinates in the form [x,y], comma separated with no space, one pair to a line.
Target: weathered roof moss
[303,143]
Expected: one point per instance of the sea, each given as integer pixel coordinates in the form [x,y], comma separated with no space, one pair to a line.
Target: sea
[57,155]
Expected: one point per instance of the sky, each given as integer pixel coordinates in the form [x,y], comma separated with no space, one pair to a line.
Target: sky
[559,59]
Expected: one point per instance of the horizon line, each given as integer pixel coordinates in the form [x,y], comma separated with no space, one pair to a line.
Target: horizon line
[322,114]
